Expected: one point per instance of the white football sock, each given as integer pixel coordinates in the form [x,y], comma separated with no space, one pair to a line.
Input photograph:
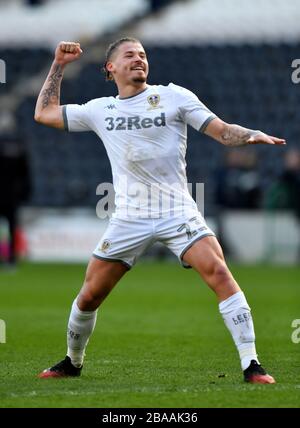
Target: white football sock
[80,327]
[237,317]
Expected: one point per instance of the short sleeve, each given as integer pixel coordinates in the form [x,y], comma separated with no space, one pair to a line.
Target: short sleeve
[192,110]
[77,118]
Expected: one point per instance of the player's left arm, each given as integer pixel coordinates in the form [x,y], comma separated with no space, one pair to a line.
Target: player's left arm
[235,135]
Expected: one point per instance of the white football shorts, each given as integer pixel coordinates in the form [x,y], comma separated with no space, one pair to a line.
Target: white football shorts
[126,240]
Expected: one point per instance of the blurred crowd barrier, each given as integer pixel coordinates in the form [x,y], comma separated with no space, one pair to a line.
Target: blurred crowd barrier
[71,235]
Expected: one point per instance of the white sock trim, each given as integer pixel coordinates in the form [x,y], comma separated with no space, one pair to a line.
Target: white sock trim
[80,313]
[80,327]
[233,302]
[237,317]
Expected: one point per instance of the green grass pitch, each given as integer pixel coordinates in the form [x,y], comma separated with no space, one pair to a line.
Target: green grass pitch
[159,340]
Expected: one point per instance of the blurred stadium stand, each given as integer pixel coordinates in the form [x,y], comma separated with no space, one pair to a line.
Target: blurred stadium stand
[222,22]
[235,55]
[56,20]
[22,63]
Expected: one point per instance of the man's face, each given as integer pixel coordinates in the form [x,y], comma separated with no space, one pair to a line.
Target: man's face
[129,64]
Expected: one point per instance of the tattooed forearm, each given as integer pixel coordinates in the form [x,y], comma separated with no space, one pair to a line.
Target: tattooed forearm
[235,135]
[48,110]
[51,93]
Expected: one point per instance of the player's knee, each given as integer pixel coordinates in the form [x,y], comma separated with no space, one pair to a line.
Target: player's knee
[86,296]
[93,292]
[85,301]
[220,273]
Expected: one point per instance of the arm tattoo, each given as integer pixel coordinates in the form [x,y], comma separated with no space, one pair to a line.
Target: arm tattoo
[235,135]
[52,93]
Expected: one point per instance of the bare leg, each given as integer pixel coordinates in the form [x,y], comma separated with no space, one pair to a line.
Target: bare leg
[206,257]
[101,277]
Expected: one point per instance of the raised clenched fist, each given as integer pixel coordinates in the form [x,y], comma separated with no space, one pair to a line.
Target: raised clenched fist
[67,52]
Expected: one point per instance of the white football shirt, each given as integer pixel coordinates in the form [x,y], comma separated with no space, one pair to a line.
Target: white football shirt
[145,137]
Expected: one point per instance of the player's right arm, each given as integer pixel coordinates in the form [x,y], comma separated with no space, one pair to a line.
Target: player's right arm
[48,110]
